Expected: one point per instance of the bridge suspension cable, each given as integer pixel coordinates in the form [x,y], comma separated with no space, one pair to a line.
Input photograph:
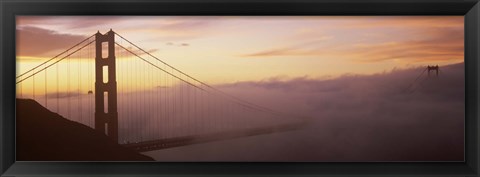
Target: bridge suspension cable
[233,98]
[236,100]
[56,56]
[416,79]
[44,68]
[179,108]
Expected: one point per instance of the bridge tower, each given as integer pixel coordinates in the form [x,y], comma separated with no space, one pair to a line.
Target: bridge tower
[106,115]
[433,69]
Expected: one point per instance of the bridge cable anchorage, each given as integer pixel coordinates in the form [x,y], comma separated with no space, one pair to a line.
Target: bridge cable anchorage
[33,74]
[55,56]
[240,101]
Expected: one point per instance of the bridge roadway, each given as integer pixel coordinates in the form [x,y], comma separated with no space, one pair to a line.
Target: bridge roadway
[203,138]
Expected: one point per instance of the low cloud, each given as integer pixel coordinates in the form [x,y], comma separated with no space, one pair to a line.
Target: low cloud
[62,95]
[355,118]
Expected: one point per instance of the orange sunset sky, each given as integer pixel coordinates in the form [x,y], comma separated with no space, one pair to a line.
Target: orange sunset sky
[219,50]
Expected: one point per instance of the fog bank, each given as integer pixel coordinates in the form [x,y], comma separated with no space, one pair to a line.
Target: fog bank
[381,117]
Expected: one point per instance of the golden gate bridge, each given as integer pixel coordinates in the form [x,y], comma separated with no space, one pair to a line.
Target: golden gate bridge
[138,100]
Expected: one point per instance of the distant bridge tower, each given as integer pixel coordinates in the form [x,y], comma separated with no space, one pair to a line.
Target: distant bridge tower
[106,115]
[433,69]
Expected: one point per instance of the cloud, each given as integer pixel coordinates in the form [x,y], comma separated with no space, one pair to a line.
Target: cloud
[125,51]
[187,24]
[404,22]
[179,45]
[89,22]
[62,95]
[308,48]
[70,22]
[356,118]
[376,39]
[176,28]
[165,28]
[279,52]
[33,41]
[161,87]
[32,44]
[444,44]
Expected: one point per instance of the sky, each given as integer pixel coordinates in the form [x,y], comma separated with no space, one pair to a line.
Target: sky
[227,49]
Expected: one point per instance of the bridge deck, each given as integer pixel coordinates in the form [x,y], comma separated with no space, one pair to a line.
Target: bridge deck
[203,138]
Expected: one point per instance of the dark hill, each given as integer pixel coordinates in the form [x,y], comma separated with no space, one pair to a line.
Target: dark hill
[43,135]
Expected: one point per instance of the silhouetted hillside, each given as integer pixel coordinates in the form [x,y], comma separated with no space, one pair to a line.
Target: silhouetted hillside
[43,135]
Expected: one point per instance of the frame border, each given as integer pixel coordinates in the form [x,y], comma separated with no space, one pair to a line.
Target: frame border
[10,8]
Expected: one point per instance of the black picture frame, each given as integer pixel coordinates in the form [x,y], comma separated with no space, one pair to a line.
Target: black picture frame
[11,8]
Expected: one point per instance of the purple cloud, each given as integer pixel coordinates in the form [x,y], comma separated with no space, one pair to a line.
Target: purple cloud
[33,41]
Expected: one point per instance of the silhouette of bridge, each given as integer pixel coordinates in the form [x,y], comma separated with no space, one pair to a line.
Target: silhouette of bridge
[148,104]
